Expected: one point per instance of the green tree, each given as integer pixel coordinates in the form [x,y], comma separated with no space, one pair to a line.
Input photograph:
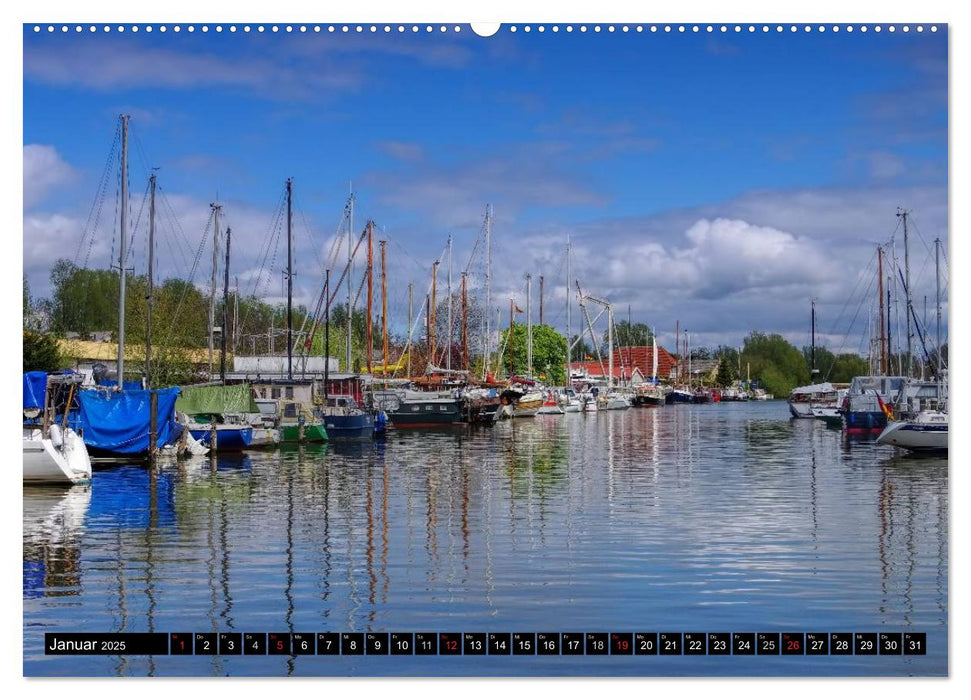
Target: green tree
[629,334]
[824,360]
[83,300]
[846,366]
[41,352]
[727,365]
[775,362]
[549,352]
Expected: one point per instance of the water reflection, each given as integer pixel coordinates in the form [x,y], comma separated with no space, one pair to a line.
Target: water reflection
[689,516]
[53,525]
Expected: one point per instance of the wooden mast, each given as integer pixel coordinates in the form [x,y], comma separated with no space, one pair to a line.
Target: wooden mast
[432,309]
[384,310]
[368,337]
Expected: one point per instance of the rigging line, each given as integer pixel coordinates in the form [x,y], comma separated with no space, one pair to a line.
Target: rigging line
[192,277]
[114,227]
[913,223]
[338,241]
[169,211]
[867,292]
[310,238]
[134,229]
[98,201]
[851,295]
[272,242]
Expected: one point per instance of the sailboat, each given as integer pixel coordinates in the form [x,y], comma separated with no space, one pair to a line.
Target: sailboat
[123,420]
[919,421]
[652,393]
[53,452]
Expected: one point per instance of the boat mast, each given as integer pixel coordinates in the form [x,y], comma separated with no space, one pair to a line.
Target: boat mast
[369,275]
[216,208]
[677,342]
[326,335]
[812,348]
[151,281]
[610,346]
[448,353]
[529,325]
[883,337]
[121,253]
[541,300]
[222,356]
[290,278]
[350,272]
[903,213]
[431,314]
[488,285]
[511,306]
[411,303]
[235,312]
[654,359]
[569,337]
[937,277]
[687,351]
[384,311]
[465,325]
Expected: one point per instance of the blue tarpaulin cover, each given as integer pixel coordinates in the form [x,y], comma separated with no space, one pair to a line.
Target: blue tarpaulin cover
[118,421]
[130,384]
[35,384]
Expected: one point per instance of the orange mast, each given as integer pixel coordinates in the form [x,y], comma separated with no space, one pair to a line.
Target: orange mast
[369,339]
[384,310]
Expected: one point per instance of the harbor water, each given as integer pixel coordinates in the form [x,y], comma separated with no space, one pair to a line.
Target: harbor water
[689,518]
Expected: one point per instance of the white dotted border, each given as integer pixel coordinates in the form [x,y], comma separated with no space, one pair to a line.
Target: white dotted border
[513,28]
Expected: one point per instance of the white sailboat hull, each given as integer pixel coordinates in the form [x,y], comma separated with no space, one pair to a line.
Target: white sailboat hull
[46,464]
[921,435]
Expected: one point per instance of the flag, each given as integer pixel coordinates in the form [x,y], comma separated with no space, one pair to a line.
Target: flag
[518,310]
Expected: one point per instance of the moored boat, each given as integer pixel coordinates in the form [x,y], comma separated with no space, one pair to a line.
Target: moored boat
[53,453]
[551,406]
[926,432]
[427,409]
[804,399]
[344,419]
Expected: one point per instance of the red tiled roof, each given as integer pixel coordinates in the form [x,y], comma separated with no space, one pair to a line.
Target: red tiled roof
[593,369]
[642,357]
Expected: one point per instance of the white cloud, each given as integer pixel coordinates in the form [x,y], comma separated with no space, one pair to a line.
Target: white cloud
[105,67]
[44,171]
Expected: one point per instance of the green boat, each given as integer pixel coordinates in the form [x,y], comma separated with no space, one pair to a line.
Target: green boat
[297,423]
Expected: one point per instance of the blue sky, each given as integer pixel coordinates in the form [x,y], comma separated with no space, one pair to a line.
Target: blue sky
[721,180]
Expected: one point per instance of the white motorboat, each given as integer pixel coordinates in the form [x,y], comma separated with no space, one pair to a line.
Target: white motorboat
[804,399]
[53,452]
[570,402]
[926,432]
[617,401]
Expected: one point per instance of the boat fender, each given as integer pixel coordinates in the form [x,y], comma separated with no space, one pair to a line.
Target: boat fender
[56,438]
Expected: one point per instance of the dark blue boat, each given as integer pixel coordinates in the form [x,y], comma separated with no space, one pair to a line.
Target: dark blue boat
[228,436]
[345,420]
